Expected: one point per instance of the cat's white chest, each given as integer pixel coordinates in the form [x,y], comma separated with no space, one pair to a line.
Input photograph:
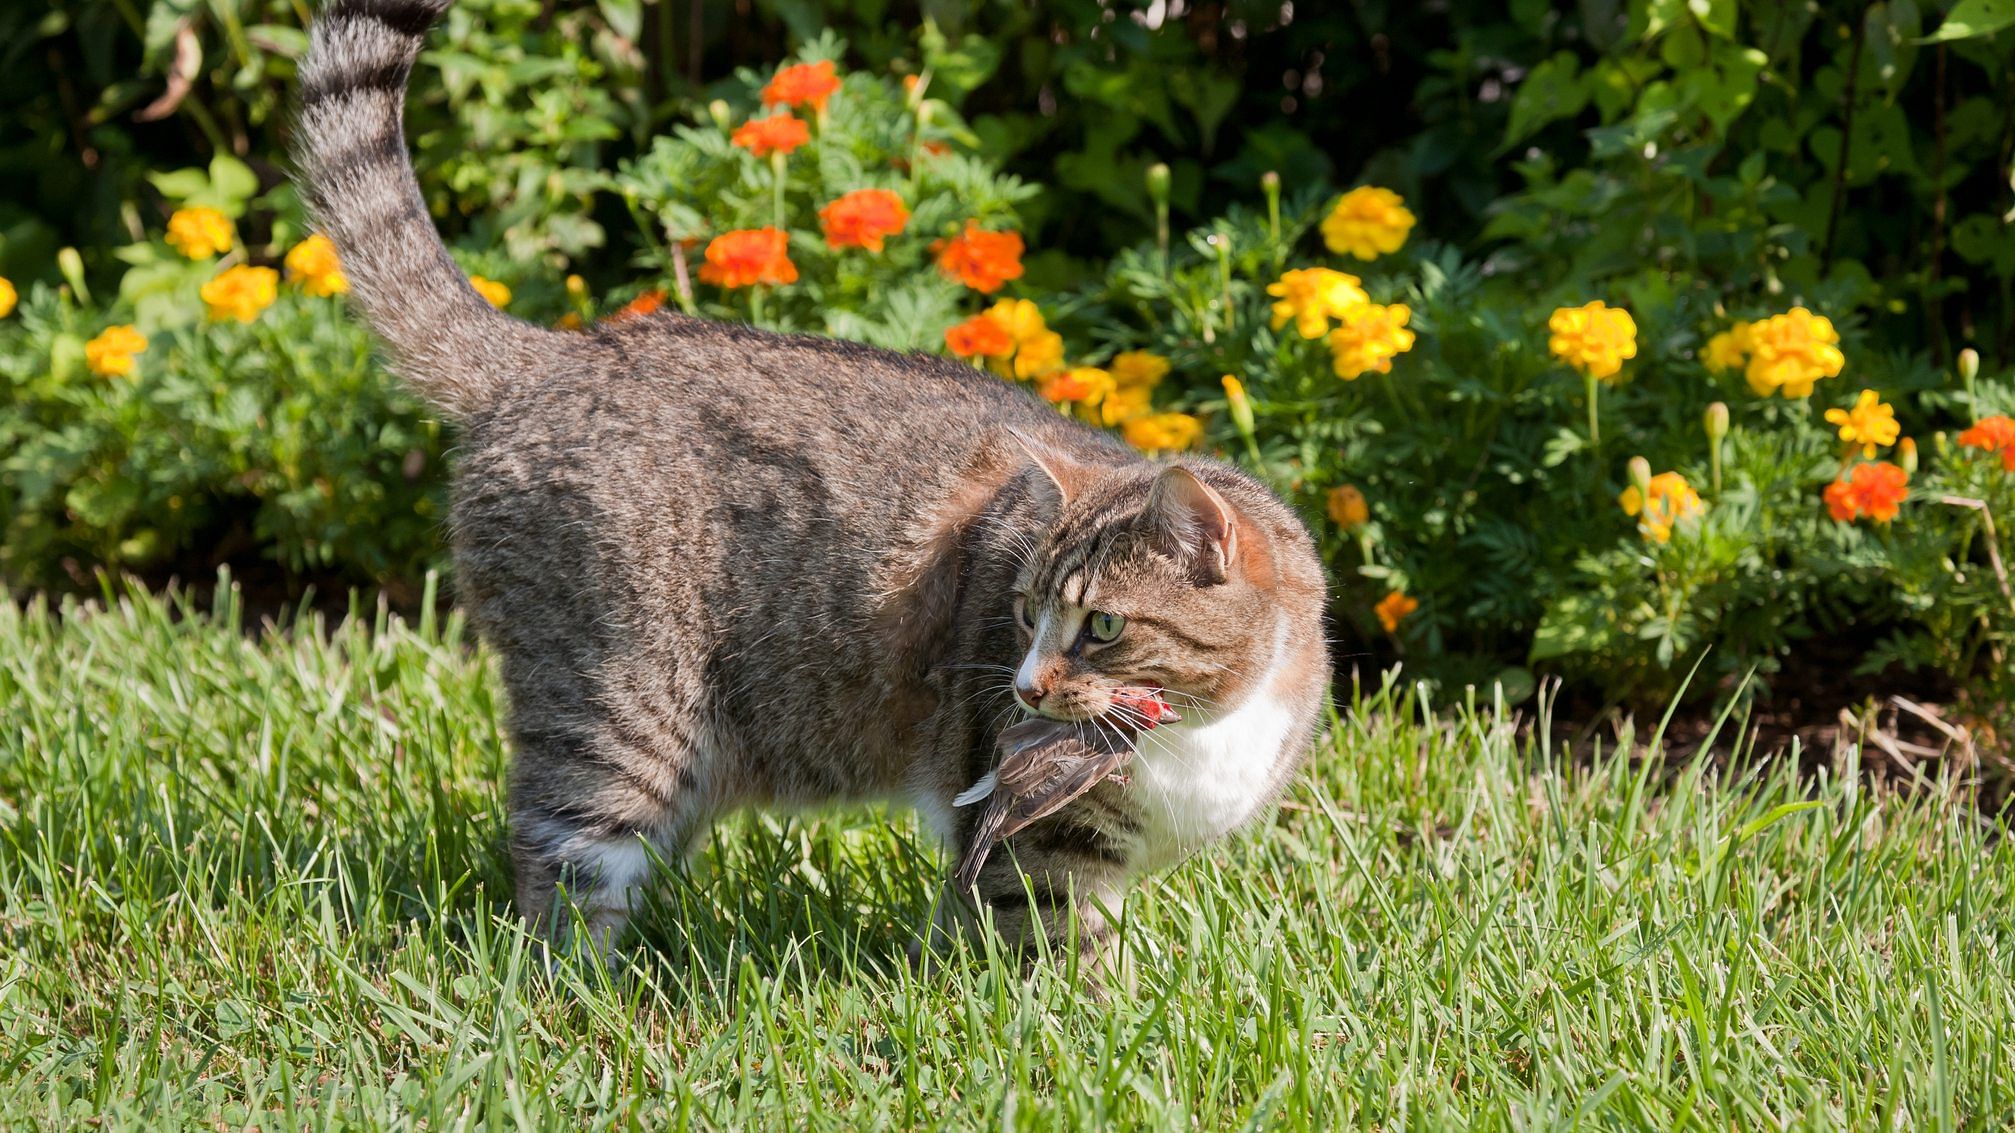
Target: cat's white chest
[1193,782]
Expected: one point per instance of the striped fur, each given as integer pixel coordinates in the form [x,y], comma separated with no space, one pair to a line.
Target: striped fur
[453,347]
[728,568]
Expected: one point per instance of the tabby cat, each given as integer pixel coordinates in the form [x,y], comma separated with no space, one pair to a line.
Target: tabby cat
[724,567]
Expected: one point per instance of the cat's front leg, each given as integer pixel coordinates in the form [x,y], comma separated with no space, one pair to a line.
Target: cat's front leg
[1056,888]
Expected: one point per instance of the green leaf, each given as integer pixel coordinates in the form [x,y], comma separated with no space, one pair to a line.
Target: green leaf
[1771,818]
[1717,16]
[1969,19]
[179,185]
[1554,90]
[232,180]
[626,17]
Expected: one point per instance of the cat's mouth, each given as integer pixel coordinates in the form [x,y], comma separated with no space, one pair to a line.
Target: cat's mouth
[1136,708]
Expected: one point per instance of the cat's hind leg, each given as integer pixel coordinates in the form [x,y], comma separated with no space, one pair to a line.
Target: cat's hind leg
[592,810]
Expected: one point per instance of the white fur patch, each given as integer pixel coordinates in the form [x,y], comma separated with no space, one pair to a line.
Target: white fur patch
[618,868]
[1198,779]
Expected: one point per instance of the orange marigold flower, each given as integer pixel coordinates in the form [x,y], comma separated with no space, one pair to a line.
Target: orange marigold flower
[802,84]
[240,293]
[1393,609]
[864,218]
[1367,222]
[314,266]
[1594,338]
[496,294]
[1993,434]
[1872,490]
[1124,404]
[1367,338]
[200,233]
[980,259]
[1870,424]
[8,297]
[1672,501]
[1163,432]
[649,303]
[980,336]
[1347,507]
[1728,350]
[1138,368]
[1087,384]
[110,354]
[749,256]
[779,133]
[1789,353]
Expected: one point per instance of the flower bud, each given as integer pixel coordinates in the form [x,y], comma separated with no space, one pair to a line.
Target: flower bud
[1640,476]
[1716,420]
[718,111]
[72,266]
[1269,183]
[1157,183]
[1239,403]
[576,286]
[1969,364]
[1906,455]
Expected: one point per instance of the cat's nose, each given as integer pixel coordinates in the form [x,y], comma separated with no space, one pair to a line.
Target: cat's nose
[1031,694]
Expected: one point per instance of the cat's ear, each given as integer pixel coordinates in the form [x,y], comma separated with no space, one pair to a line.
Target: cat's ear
[1063,473]
[1192,523]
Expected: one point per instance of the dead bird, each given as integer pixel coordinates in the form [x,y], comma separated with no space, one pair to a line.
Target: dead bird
[1044,766]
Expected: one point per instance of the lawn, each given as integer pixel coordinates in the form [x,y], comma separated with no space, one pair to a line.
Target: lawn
[255,878]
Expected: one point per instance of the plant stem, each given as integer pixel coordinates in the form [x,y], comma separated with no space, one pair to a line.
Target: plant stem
[1594,420]
[777,161]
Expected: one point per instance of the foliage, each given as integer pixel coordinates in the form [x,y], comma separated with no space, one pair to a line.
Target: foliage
[260,878]
[698,183]
[1463,439]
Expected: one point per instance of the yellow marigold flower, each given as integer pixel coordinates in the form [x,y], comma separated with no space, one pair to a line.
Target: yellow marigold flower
[1163,432]
[1870,424]
[1369,338]
[1313,296]
[1138,368]
[1086,384]
[1038,350]
[1672,502]
[110,355]
[314,266]
[240,293]
[1347,507]
[1393,609]
[1791,352]
[199,233]
[1367,222]
[1727,350]
[1594,338]
[1124,404]
[8,297]
[496,294]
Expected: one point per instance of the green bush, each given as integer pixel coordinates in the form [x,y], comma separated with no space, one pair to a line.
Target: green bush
[1697,165]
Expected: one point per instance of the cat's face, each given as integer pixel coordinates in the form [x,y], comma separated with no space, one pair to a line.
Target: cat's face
[1148,581]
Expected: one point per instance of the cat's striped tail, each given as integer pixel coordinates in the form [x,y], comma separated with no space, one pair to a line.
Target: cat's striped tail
[446,340]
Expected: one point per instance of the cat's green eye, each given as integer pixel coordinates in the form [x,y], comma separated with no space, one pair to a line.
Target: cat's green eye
[1022,615]
[1106,627]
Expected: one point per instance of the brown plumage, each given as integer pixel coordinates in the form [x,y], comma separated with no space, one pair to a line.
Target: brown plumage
[1045,765]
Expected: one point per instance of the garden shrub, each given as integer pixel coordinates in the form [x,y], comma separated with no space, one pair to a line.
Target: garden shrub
[1592,371]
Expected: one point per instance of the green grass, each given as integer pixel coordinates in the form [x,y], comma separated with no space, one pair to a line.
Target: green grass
[257,879]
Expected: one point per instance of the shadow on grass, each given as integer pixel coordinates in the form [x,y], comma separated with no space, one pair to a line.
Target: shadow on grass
[836,896]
